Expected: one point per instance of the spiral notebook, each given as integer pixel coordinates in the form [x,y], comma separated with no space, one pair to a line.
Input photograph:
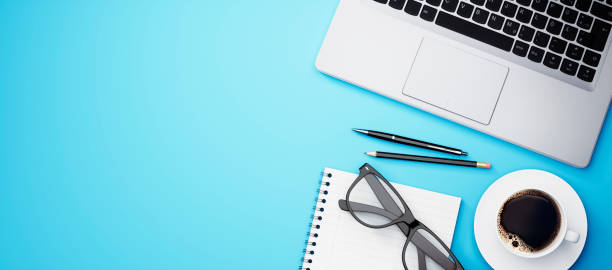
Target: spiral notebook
[336,241]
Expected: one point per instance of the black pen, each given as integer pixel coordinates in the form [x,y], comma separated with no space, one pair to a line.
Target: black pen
[412,142]
[447,161]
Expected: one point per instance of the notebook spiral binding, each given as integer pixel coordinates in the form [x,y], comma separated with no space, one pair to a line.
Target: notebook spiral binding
[316,220]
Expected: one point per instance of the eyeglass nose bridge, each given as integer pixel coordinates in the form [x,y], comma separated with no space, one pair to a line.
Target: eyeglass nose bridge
[407,224]
[408,219]
[411,221]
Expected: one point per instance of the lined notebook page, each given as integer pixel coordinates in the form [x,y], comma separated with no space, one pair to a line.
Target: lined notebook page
[343,243]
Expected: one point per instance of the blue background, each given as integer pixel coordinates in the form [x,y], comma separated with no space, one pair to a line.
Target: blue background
[192,134]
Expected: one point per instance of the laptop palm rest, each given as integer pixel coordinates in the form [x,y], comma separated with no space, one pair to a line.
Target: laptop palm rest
[455,80]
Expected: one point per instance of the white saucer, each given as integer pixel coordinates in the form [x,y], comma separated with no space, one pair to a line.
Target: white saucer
[485,225]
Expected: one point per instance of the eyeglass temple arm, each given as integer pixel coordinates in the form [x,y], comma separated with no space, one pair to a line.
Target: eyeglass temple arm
[360,207]
[418,240]
[382,195]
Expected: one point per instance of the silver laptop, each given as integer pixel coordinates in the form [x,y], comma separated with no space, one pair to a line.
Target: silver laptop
[531,72]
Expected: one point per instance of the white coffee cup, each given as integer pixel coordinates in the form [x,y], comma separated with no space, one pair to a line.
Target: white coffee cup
[564,234]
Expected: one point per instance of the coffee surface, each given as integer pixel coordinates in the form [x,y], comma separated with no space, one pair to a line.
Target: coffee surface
[529,220]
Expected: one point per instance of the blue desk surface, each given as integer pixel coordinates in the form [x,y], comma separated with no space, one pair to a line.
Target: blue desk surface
[191,135]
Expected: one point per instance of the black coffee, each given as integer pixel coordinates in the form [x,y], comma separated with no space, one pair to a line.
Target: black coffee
[529,220]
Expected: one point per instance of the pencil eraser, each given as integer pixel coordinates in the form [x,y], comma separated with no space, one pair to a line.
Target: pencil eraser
[484,165]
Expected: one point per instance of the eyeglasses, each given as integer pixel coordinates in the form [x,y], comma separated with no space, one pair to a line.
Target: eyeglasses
[375,203]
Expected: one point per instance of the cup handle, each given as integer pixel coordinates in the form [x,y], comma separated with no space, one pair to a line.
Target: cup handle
[572,236]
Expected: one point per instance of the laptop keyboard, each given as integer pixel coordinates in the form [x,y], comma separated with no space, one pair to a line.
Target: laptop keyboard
[569,36]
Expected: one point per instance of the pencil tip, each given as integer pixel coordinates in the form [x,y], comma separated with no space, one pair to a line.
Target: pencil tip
[371,153]
[360,131]
[464,153]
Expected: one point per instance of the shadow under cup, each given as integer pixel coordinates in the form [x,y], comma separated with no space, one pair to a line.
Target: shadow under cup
[531,224]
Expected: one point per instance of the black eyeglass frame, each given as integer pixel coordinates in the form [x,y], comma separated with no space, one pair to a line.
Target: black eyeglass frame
[407,223]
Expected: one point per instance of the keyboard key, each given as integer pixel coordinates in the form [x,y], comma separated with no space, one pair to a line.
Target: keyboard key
[583,5]
[574,51]
[569,15]
[554,9]
[524,15]
[524,2]
[465,10]
[591,58]
[539,5]
[474,31]
[554,26]
[434,3]
[557,45]
[478,2]
[584,39]
[568,2]
[509,9]
[596,40]
[552,60]
[586,73]
[584,21]
[602,11]
[450,5]
[569,67]
[493,5]
[511,27]
[539,21]
[428,13]
[526,33]
[600,33]
[496,21]
[412,7]
[541,39]
[520,48]
[480,15]
[569,32]
[397,4]
[536,54]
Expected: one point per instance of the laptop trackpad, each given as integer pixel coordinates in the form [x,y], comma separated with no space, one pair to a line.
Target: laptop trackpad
[455,80]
